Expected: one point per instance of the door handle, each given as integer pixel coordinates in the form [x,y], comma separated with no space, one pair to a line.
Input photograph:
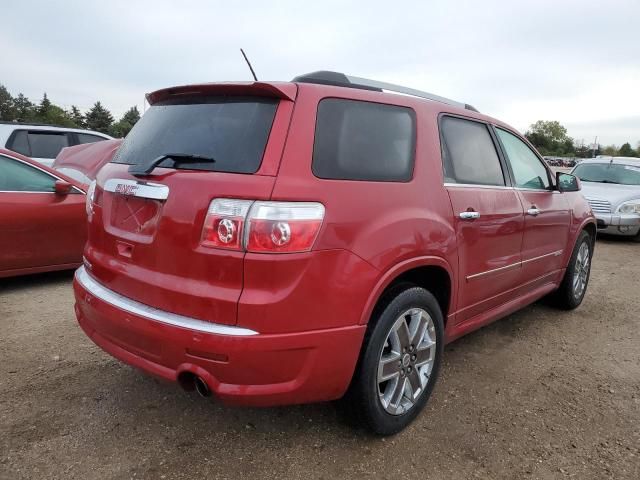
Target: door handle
[533,211]
[469,215]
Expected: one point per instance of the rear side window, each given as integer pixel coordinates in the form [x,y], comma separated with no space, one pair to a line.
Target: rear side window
[468,153]
[88,138]
[47,144]
[19,177]
[357,140]
[231,130]
[38,144]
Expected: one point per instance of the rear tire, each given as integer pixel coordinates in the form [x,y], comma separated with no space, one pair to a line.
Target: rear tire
[576,278]
[399,363]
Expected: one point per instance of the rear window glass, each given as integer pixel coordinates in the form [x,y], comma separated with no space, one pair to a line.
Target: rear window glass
[231,130]
[357,140]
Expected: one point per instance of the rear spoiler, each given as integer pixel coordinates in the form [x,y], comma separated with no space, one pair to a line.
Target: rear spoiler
[282,90]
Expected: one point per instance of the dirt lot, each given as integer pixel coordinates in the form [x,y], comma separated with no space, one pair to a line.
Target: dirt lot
[541,394]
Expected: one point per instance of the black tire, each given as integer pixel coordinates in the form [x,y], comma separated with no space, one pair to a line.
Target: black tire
[566,296]
[363,396]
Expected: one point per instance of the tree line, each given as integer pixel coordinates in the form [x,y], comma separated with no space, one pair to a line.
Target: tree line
[550,138]
[97,118]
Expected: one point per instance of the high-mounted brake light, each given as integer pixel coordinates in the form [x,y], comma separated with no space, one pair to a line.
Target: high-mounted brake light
[263,227]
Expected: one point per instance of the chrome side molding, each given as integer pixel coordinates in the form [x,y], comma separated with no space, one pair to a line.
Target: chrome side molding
[154,191]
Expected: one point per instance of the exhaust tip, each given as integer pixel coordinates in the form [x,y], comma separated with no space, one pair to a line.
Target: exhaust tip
[201,387]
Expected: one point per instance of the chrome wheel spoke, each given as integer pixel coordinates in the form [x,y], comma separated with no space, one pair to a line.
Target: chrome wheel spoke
[415,383]
[389,367]
[398,394]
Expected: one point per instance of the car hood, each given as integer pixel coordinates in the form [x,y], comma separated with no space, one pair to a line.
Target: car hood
[612,192]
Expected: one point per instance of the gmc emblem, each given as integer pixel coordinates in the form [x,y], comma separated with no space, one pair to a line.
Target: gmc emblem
[126,189]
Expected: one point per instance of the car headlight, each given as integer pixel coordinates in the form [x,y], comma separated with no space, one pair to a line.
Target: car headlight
[632,207]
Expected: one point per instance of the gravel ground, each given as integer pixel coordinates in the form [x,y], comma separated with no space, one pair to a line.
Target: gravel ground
[540,394]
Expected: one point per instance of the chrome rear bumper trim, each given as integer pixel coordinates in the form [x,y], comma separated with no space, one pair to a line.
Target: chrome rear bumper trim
[152,313]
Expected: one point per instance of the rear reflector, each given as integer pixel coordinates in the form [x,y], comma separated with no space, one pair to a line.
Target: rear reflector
[262,227]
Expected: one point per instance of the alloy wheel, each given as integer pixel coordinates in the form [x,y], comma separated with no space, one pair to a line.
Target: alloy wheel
[581,270]
[406,361]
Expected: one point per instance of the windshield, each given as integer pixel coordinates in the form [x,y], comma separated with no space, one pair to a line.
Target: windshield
[232,130]
[608,173]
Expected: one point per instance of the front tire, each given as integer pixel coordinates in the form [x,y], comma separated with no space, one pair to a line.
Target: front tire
[400,362]
[576,278]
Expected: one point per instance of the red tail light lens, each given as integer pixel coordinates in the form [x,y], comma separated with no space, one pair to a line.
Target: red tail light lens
[224,223]
[262,227]
[283,226]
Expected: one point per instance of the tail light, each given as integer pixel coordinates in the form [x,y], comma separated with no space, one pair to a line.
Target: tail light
[224,223]
[263,227]
[91,191]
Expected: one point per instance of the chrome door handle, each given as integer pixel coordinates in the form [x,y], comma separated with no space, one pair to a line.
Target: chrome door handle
[469,215]
[533,211]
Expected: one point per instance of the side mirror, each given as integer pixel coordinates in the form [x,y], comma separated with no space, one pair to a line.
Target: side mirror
[566,182]
[62,187]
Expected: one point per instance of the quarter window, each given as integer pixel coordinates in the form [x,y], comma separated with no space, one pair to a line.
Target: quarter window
[528,170]
[88,138]
[16,176]
[468,153]
[356,140]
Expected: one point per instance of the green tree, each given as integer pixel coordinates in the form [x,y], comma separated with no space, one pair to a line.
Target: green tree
[99,118]
[25,110]
[44,109]
[611,150]
[550,138]
[7,105]
[126,123]
[626,150]
[76,116]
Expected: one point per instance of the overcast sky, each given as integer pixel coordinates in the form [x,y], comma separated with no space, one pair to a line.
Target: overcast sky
[577,62]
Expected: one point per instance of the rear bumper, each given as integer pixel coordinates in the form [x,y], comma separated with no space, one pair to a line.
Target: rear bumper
[240,366]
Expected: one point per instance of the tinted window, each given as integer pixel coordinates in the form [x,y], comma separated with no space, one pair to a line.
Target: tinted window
[528,169]
[88,138]
[47,144]
[363,141]
[469,154]
[608,173]
[19,143]
[232,130]
[19,177]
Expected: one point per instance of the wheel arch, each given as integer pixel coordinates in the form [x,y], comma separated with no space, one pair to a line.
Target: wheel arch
[431,273]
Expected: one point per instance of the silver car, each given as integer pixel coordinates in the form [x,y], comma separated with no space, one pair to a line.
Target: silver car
[611,185]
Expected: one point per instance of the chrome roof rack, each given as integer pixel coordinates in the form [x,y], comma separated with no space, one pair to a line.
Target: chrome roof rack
[325,77]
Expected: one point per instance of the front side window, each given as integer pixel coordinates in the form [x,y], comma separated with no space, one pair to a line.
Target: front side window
[356,140]
[469,155]
[16,176]
[528,169]
[233,131]
[47,144]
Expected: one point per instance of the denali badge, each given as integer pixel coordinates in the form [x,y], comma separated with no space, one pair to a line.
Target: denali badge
[126,189]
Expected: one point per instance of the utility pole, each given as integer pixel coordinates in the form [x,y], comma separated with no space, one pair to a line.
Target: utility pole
[595,145]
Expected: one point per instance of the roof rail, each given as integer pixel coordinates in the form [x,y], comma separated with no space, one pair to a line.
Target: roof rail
[35,124]
[325,77]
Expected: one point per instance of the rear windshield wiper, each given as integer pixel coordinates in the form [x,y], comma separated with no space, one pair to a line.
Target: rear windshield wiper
[145,168]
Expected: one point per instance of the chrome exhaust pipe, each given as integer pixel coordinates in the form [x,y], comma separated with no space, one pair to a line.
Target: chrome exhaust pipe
[201,387]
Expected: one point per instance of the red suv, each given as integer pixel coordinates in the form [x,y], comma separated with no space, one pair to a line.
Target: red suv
[277,243]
